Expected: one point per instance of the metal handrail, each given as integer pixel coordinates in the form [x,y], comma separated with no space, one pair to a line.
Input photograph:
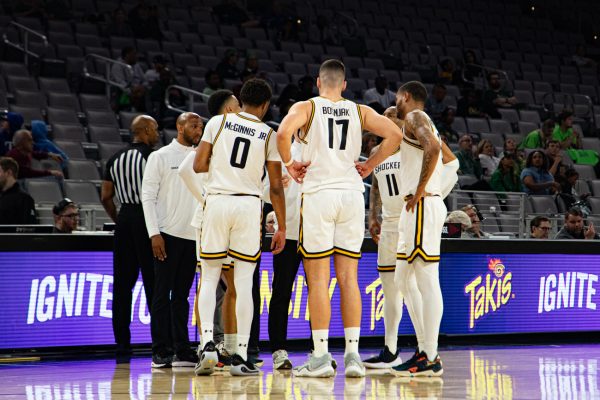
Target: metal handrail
[571,97]
[106,79]
[190,92]
[24,46]
[485,70]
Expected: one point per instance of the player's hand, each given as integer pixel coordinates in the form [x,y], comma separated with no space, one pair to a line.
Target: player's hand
[278,242]
[158,247]
[375,229]
[285,181]
[412,201]
[297,170]
[590,232]
[363,169]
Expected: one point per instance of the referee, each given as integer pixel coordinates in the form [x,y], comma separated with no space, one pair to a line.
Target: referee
[132,250]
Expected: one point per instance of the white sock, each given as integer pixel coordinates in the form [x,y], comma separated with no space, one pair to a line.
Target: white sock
[230,342]
[321,342]
[242,346]
[207,334]
[392,310]
[352,335]
[406,279]
[427,275]
[211,272]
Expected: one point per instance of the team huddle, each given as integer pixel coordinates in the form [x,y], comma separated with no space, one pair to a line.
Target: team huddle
[318,146]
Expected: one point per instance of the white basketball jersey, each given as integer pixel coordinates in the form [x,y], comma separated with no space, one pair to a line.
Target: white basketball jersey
[388,178]
[411,159]
[332,144]
[241,146]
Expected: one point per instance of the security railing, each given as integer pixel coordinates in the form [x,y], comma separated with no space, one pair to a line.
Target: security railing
[25,34]
[106,77]
[191,94]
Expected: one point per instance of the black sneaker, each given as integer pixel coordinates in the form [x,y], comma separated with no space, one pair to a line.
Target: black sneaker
[161,359]
[185,358]
[239,367]
[421,366]
[384,360]
[209,357]
[253,358]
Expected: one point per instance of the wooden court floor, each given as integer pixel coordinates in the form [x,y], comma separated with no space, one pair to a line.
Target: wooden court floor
[523,372]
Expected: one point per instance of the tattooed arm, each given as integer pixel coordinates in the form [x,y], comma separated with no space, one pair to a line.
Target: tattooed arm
[376,206]
[418,126]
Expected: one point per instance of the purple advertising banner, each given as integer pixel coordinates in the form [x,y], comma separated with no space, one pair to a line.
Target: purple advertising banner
[65,298]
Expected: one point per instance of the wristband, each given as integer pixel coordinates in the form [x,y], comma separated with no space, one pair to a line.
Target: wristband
[287,164]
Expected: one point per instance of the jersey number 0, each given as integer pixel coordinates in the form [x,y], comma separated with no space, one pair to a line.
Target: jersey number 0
[245,144]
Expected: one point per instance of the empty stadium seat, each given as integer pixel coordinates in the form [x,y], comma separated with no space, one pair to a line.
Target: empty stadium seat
[68,132]
[44,191]
[73,150]
[107,149]
[82,192]
[586,172]
[543,205]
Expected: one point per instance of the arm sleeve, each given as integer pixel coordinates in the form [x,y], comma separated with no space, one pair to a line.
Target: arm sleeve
[192,180]
[150,187]
[449,177]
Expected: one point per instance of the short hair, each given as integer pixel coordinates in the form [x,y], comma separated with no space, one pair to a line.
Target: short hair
[126,51]
[489,76]
[574,211]
[255,92]
[537,221]
[211,72]
[19,136]
[552,141]
[332,72]
[416,90]
[564,115]
[9,164]
[571,172]
[217,100]
[549,123]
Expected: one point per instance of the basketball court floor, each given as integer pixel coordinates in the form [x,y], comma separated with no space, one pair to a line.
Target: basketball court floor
[520,372]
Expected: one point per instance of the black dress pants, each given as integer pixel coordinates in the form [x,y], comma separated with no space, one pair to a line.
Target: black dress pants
[173,279]
[133,252]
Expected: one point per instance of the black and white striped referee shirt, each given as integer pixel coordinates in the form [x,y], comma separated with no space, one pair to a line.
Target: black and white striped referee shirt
[125,169]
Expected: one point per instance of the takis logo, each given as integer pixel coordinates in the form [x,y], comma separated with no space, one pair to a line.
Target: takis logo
[489,296]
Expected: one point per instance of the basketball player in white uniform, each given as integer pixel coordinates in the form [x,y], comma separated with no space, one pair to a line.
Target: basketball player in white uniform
[421,223]
[385,200]
[220,102]
[332,205]
[234,150]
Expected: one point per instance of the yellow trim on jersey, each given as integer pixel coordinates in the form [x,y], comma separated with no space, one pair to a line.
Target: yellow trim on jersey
[309,123]
[386,268]
[220,129]
[244,257]
[213,256]
[267,143]
[347,253]
[412,144]
[418,240]
[362,128]
[300,230]
[309,255]
[258,121]
[419,230]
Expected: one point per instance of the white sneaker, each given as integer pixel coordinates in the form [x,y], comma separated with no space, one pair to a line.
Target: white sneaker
[353,366]
[209,357]
[281,360]
[316,367]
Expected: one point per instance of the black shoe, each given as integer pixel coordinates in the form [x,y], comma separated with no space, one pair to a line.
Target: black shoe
[209,357]
[185,358]
[421,366]
[384,360]
[239,367]
[253,358]
[161,359]
[123,350]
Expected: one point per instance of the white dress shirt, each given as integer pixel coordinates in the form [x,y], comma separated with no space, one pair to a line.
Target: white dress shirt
[195,184]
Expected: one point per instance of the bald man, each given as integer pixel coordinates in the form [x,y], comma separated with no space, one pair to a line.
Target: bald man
[123,178]
[168,209]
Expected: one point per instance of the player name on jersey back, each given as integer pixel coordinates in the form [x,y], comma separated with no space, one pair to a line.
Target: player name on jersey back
[388,179]
[332,143]
[241,146]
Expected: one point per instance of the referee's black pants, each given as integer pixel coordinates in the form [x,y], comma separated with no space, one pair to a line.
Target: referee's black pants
[173,279]
[132,251]
[285,268]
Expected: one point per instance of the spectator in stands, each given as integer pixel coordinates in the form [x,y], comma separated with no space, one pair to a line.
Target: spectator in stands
[22,152]
[307,85]
[487,157]
[227,68]
[510,147]
[538,138]
[573,189]
[497,97]
[462,218]
[4,134]
[152,75]
[132,81]
[251,64]
[574,228]
[214,82]
[535,177]
[41,143]
[434,106]
[380,97]
[271,222]
[470,105]
[506,177]
[555,158]
[447,73]
[66,216]
[539,227]
[469,164]
[143,19]
[580,59]
[162,114]
[444,125]
[470,68]
[564,133]
[119,25]
[369,140]
[474,232]
[16,206]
